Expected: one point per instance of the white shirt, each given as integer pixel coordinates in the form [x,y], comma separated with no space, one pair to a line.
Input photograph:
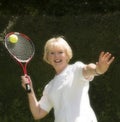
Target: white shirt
[67,93]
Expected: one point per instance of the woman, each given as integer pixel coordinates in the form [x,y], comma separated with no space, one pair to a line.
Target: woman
[67,92]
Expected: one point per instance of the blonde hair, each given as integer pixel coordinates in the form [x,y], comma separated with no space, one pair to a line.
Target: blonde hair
[52,42]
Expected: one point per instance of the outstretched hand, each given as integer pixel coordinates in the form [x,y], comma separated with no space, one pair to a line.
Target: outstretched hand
[105,59]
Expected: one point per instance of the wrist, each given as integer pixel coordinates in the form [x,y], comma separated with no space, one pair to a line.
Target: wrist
[97,73]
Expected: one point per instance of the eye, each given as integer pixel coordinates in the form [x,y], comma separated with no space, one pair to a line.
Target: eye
[51,53]
[61,52]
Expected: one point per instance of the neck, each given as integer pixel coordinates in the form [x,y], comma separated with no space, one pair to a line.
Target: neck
[60,69]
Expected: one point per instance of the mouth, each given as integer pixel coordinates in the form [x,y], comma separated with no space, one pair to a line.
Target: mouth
[58,61]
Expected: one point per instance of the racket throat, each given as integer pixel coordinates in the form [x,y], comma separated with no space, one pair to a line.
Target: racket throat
[25,69]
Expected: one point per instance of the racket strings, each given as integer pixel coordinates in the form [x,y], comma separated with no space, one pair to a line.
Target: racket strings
[22,50]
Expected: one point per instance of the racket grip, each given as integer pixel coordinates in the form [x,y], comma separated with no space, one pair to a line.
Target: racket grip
[28,89]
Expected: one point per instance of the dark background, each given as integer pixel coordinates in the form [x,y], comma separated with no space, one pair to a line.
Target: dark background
[89,26]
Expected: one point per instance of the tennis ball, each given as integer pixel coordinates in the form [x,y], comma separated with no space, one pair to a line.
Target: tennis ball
[13,38]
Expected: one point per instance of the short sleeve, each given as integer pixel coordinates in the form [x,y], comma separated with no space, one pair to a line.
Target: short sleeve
[79,67]
[44,102]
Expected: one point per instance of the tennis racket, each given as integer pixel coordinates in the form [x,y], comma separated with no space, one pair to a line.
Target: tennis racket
[22,51]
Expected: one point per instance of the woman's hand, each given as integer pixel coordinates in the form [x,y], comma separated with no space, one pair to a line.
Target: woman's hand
[105,59]
[25,80]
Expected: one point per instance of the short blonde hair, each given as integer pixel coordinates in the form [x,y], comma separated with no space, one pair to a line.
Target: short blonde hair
[52,42]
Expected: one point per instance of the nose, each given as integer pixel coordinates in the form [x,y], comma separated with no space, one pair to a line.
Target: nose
[56,54]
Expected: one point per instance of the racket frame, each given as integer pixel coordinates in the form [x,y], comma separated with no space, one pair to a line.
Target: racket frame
[22,63]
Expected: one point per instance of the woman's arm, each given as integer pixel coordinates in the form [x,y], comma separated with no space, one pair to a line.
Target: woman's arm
[37,112]
[105,59]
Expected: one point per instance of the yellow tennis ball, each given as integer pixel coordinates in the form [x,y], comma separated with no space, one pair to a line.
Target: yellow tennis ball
[13,38]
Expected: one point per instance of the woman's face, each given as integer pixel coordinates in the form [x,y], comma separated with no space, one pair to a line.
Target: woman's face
[57,58]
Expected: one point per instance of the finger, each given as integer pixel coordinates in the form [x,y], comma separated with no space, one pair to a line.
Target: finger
[28,79]
[24,79]
[106,55]
[101,54]
[111,60]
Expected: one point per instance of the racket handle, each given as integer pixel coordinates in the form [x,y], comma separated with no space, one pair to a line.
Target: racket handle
[27,85]
[28,89]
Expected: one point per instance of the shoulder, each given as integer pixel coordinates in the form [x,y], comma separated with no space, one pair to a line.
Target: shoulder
[77,67]
[78,64]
